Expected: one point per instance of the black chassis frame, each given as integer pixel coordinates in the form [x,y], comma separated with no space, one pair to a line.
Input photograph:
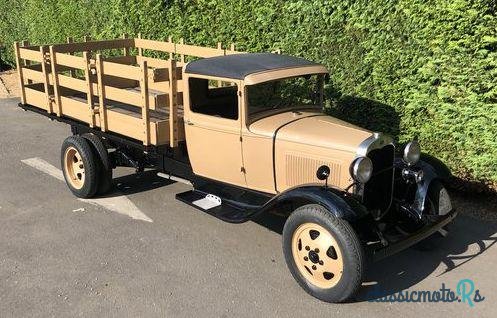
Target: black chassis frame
[242,204]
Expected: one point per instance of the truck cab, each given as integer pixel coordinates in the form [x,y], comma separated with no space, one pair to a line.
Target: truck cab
[265,111]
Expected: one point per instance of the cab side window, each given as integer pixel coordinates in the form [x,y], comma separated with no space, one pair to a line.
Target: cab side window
[213,98]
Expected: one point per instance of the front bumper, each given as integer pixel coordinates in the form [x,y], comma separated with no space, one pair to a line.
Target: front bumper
[421,234]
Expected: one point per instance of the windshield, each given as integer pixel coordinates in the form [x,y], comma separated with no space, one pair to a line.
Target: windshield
[302,91]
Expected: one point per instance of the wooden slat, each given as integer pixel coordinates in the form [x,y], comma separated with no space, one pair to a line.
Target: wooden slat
[173,105]
[140,50]
[167,47]
[123,96]
[159,75]
[126,125]
[55,78]
[119,82]
[182,56]
[30,55]
[145,103]
[33,75]
[101,94]
[129,60]
[125,49]
[180,86]
[72,83]
[198,51]
[94,45]
[89,89]
[46,78]
[129,96]
[164,86]
[121,70]
[35,97]
[74,108]
[232,50]
[152,62]
[38,67]
[171,55]
[70,61]
[72,71]
[27,62]
[20,72]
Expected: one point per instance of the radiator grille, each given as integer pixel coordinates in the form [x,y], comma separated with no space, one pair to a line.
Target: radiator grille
[378,190]
[301,170]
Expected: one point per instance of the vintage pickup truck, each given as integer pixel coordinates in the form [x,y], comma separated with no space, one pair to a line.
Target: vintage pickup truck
[248,131]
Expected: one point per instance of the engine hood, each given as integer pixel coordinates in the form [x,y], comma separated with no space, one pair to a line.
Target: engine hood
[312,128]
[305,140]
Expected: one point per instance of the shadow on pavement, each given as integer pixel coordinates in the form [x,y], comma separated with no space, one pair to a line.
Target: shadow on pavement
[468,238]
[137,182]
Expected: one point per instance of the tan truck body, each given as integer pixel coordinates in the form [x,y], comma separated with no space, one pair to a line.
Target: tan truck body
[147,99]
[214,123]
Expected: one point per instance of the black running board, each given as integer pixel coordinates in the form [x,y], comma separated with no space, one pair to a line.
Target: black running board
[226,211]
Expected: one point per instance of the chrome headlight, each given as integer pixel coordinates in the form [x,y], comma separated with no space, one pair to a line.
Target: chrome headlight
[361,169]
[412,152]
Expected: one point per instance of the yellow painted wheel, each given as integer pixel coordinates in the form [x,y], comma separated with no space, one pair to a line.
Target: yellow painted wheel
[74,167]
[317,255]
[323,253]
[80,166]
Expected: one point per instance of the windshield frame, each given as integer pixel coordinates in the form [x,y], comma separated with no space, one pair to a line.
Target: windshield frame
[249,119]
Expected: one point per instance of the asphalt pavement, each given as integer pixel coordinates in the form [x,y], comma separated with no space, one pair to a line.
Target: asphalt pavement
[140,253]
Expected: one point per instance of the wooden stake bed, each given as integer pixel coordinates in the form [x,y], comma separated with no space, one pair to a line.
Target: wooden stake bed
[137,96]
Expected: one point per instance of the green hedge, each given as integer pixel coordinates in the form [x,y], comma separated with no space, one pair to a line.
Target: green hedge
[411,68]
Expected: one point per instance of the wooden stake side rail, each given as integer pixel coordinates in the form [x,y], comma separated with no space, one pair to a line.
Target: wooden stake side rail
[137,96]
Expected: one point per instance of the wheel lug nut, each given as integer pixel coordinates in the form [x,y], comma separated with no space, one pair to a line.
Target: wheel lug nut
[314,267]
[306,258]
[307,248]
[316,250]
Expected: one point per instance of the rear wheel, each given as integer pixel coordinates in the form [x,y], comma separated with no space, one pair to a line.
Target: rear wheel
[104,163]
[80,167]
[323,254]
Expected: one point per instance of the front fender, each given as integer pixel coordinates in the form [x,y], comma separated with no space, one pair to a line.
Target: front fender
[433,169]
[339,203]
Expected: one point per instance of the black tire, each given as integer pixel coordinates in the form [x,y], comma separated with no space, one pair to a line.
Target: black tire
[105,167]
[89,185]
[348,242]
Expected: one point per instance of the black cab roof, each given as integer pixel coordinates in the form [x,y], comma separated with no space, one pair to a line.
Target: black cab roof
[238,66]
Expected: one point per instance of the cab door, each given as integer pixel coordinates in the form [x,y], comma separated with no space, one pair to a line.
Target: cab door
[213,130]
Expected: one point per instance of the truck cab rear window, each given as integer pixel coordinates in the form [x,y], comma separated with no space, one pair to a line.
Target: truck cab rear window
[214,98]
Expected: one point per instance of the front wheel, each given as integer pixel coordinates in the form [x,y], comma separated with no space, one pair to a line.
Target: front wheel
[323,253]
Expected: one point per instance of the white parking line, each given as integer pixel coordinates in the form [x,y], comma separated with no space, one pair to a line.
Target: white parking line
[44,166]
[119,203]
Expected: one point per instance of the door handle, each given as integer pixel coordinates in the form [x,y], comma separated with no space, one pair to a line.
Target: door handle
[189,122]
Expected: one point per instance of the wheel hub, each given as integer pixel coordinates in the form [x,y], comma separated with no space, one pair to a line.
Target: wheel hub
[74,168]
[314,257]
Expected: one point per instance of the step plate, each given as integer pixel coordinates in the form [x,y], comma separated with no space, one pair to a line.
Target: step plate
[225,211]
